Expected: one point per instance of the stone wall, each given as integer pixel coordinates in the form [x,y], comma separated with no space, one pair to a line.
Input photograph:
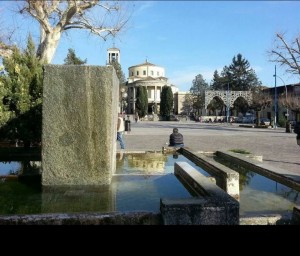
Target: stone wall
[79,124]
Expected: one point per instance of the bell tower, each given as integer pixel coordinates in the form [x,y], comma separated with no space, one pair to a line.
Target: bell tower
[113,54]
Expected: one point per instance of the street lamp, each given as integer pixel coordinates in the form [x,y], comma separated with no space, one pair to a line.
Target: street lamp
[228,103]
[275,102]
[287,109]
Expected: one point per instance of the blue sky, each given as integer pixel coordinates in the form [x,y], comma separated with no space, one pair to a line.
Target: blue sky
[191,37]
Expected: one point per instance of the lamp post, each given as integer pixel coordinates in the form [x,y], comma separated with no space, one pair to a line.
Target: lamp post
[228,104]
[287,129]
[275,102]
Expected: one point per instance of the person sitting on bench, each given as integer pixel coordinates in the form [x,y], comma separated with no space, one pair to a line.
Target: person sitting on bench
[176,139]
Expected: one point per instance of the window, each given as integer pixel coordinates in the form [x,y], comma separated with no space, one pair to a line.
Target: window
[149,94]
[131,73]
[157,73]
[144,72]
[137,73]
[152,73]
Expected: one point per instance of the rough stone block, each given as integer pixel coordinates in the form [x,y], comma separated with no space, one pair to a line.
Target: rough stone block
[79,124]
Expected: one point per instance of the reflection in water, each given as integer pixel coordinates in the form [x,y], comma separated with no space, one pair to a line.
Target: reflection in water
[77,199]
[141,180]
[10,168]
[151,163]
[19,198]
[148,163]
[142,193]
[126,193]
[259,194]
[30,168]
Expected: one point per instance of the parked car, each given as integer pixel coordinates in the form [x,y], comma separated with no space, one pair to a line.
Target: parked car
[264,121]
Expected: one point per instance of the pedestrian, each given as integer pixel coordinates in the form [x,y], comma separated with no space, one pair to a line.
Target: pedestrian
[176,139]
[120,130]
[136,117]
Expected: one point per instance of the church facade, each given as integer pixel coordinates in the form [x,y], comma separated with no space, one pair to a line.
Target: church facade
[147,75]
[153,78]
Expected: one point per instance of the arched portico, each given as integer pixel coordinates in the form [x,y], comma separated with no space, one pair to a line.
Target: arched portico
[227,97]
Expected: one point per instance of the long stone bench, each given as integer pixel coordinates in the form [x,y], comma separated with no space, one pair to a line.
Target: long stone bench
[210,205]
[226,178]
[262,168]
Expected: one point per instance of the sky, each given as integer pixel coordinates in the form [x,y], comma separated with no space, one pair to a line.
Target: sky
[188,38]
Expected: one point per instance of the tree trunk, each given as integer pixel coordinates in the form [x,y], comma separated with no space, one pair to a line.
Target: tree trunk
[257,118]
[48,45]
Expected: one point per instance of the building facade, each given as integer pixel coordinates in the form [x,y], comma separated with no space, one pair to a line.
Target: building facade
[182,106]
[289,93]
[153,78]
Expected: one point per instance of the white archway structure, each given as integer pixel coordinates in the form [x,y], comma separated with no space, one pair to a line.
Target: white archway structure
[227,97]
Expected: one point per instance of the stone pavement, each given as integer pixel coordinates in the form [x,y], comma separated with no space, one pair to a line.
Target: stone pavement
[278,148]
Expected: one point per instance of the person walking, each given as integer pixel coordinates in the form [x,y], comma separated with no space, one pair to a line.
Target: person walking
[120,130]
[176,139]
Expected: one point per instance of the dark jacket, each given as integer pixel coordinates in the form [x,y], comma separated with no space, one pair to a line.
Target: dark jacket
[297,128]
[176,138]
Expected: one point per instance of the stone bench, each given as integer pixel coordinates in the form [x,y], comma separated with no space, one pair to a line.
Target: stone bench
[226,178]
[210,205]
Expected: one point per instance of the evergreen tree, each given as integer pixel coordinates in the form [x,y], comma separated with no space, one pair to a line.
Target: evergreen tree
[240,75]
[198,92]
[142,101]
[218,82]
[72,59]
[122,81]
[166,102]
[119,72]
[21,92]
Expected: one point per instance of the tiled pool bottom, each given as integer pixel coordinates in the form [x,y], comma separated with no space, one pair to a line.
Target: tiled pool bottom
[139,183]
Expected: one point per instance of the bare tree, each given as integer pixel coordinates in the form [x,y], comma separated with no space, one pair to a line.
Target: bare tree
[101,18]
[260,99]
[187,105]
[5,35]
[291,101]
[287,55]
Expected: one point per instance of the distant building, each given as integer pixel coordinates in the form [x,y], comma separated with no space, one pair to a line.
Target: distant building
[182,106]
[153,78]
[293,91]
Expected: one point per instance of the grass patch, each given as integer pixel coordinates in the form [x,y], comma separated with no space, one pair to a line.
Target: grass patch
[240,151]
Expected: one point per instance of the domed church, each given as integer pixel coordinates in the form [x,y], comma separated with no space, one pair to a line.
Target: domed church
[146,74]
[153,78]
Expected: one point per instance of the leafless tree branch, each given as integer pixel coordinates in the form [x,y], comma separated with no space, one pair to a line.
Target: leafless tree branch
[58,16]
[287,55]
